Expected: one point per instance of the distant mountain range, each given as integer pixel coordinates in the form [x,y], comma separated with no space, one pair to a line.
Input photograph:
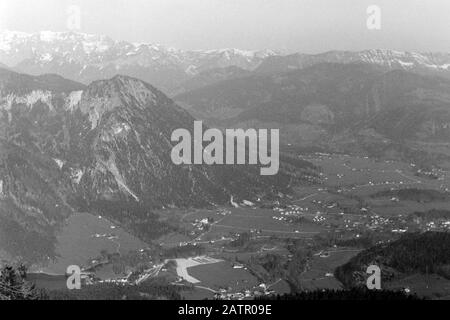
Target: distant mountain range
[428,63]
[86,58]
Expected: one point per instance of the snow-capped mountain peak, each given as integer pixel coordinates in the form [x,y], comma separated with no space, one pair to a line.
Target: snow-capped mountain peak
[88,57]
[85,45]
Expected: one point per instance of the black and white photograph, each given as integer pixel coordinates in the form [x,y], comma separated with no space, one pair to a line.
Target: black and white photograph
[249,153]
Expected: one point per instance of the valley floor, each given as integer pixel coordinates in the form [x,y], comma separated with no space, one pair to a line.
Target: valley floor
[251,251]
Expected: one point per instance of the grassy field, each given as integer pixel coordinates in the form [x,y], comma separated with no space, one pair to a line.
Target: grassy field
[427,286]
[48,282]
[222,275]
[83,238]
[320,269]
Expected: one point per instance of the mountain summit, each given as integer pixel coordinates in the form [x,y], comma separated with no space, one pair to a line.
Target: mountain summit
[105,149]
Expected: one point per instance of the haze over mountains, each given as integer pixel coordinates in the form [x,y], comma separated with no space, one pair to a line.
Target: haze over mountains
[438,63]
[329,99]
[86,58]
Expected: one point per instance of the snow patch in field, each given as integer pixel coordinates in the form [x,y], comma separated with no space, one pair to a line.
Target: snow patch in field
[233,203]
[184,264]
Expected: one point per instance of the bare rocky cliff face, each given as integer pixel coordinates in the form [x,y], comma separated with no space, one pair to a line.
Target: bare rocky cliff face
[130,125]
[34,191]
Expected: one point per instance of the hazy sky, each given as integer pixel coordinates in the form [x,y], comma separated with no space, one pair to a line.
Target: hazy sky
[288,25]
